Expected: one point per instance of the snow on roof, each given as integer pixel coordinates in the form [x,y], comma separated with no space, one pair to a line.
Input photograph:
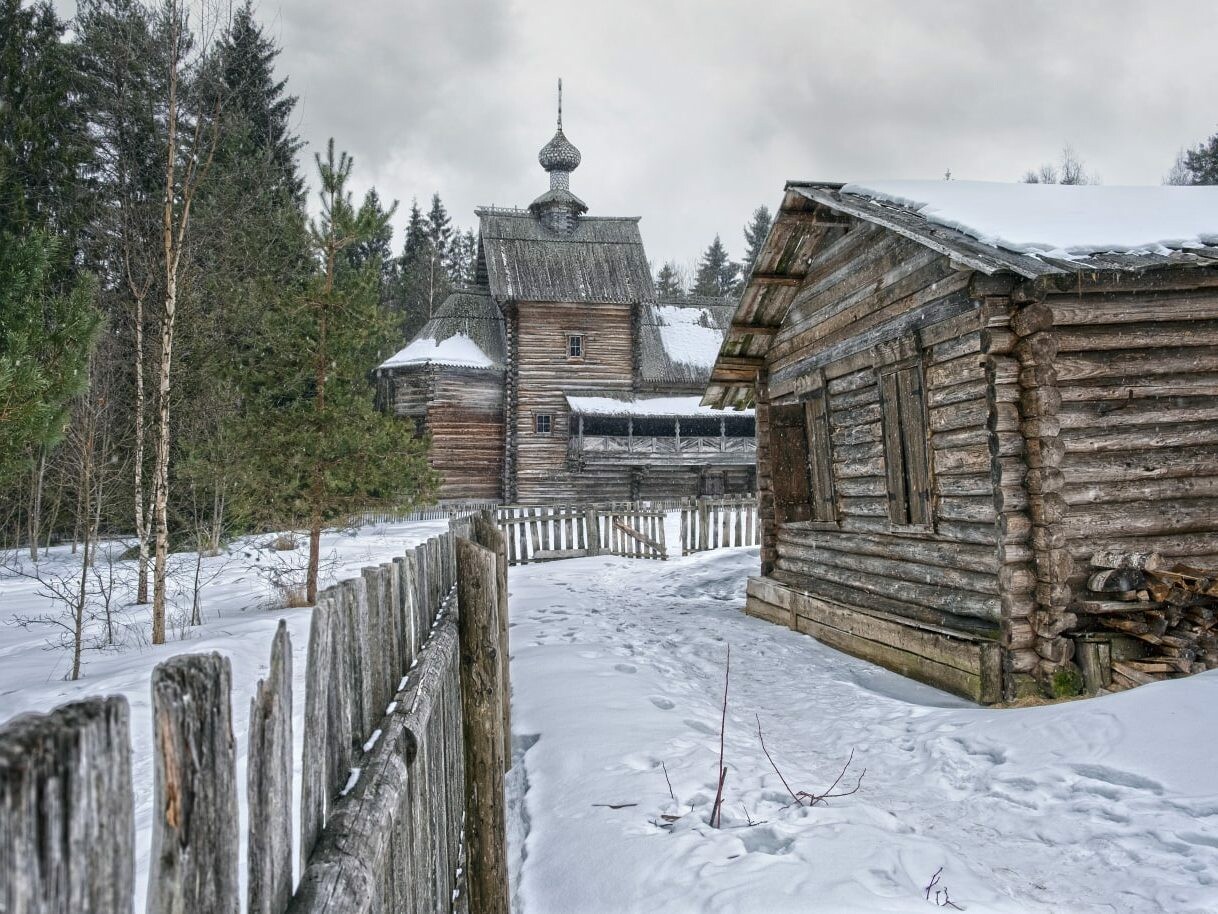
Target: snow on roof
[690,336]
[458,350]
[1057,220]
[648,406]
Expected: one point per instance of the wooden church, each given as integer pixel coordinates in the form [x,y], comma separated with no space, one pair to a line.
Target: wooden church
[559,376]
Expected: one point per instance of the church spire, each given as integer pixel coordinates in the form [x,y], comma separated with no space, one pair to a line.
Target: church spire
[558,208]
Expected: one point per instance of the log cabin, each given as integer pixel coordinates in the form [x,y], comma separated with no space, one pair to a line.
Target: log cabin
[964,393]
[559,376]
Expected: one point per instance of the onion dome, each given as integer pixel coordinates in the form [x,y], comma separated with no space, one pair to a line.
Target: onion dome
[559,154]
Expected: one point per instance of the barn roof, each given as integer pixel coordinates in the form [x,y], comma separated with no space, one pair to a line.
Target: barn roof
[1041,234]
[465,332]
[598,260]
[679,338]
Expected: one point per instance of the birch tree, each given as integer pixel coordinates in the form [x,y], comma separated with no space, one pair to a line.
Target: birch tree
[193,124]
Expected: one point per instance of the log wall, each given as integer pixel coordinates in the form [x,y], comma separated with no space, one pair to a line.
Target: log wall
[868,292]
[543,376]
[1137,379]
[463,411]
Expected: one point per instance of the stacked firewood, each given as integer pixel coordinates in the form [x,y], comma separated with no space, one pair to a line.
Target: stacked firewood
[1171,607]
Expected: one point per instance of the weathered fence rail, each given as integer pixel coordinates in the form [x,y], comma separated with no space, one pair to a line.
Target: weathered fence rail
[389,735]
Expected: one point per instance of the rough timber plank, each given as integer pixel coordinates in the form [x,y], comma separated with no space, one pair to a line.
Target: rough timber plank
[960,664]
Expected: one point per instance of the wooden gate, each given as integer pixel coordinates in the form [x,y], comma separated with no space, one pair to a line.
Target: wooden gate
[544,533]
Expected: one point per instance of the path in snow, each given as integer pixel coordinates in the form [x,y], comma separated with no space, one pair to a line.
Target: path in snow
[1107,805]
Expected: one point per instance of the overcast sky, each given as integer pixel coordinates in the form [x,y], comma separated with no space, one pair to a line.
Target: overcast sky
[690,113]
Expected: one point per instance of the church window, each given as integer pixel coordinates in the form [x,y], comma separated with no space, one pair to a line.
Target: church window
[575,346]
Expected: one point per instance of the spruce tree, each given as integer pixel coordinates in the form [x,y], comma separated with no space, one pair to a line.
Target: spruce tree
[314,448]
[246,59]
[668,282]
[411,296]
[45,148]
[717,274]
[754,236]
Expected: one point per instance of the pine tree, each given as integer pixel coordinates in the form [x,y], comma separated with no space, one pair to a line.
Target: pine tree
[754,236]
[314,447]
[668,282]
[717,274]
[1202,162]
[45,339]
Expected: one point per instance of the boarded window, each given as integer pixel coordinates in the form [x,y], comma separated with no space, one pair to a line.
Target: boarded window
[711,484]
[789,463]
[906,441]
[820,457]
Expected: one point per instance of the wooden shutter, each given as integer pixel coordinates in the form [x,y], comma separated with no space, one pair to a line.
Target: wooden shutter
[820,457]
[911,391]
[789,463]
[906,441]
[894,450]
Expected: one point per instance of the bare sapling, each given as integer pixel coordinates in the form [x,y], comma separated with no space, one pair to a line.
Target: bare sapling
[716,817]
[804,797]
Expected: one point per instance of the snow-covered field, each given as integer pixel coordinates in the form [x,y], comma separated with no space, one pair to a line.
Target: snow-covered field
[1106,805]
[236,622]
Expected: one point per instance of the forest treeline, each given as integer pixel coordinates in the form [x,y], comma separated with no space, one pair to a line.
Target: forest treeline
[184,353]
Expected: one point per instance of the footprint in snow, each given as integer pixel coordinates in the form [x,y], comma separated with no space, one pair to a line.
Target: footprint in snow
[662,703]
[625,668]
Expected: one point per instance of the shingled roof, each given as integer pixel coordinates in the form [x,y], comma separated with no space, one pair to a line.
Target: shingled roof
[679,338]
[599,260]
[468,312]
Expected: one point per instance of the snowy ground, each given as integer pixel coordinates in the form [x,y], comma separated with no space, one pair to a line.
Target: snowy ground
[1107,805]
[237,622]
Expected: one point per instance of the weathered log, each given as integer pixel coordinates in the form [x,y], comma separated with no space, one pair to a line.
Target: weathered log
[1116,580]
[193,861]
[66,810]
[482,710]
[269,783]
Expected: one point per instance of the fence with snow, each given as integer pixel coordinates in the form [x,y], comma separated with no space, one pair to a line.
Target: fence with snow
[539,533]
[405,746]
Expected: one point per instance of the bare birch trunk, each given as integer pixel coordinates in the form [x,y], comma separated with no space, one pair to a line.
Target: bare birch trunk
[34,519]
[141,523]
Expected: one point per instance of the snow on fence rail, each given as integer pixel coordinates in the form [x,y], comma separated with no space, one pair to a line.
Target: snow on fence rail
[398,722]
[445,511]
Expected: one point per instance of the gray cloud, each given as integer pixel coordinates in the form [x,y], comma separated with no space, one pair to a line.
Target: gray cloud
[691,113]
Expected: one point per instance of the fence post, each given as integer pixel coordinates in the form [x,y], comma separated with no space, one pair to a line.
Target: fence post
[485,805]
[269,783]
[66,823]
[193,863]
[488,535]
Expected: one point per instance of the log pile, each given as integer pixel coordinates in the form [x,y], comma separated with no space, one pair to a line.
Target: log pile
[1169,607]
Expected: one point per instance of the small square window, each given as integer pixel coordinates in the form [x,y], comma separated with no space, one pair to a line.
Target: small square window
[575,346]
[542,423]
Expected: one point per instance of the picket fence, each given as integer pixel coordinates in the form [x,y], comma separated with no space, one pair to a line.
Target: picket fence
[398,724]
[542,533]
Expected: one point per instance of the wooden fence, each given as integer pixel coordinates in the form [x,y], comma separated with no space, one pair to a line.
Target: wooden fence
[398,724]
[719,522]
[543,533]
